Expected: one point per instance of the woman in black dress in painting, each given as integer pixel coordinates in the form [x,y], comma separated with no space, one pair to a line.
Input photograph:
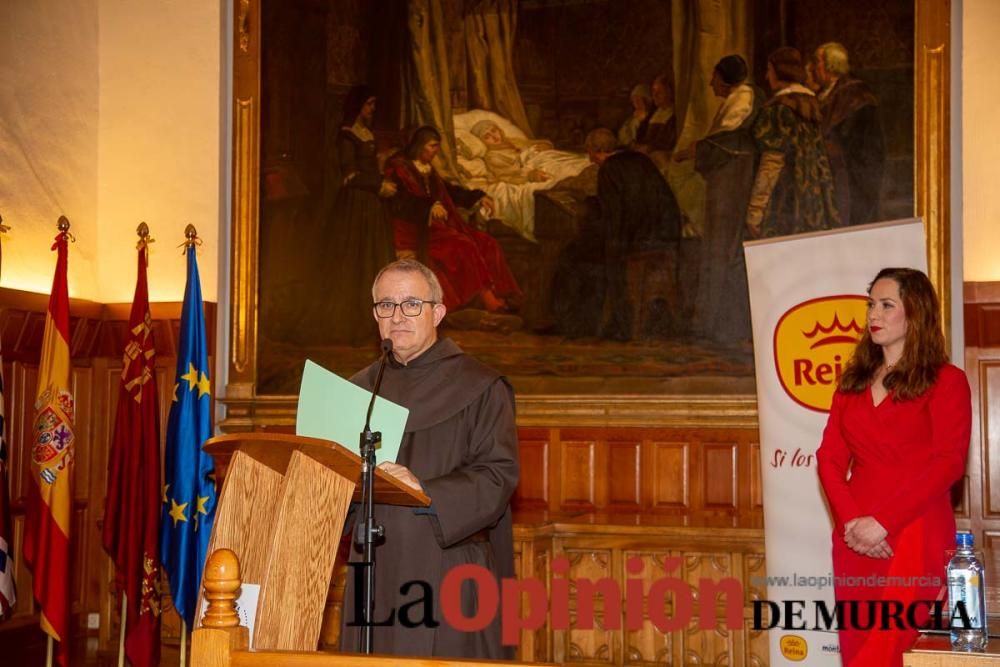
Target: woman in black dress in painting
[358,239]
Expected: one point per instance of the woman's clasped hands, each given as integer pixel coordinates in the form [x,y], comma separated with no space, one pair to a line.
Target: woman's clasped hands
[866,536]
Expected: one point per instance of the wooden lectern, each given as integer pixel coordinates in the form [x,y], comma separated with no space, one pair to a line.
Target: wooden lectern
[222,642]
[281,510]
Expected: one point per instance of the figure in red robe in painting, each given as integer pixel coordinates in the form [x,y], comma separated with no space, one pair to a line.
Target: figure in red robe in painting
[427,225]
[900,423]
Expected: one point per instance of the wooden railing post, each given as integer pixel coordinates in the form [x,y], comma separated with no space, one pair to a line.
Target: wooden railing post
[220,633]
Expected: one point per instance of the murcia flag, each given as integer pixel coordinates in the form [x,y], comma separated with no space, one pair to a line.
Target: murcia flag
[50,490]
[189,482]
[132,509]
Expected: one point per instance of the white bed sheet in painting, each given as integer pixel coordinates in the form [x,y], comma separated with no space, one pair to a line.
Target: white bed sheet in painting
[515,202]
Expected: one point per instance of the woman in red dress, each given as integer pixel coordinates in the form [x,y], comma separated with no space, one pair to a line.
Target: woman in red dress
[895,444]
[426,224]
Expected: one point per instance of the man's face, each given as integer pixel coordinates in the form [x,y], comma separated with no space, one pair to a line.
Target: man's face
[493,136]
[430,151]
[597,157]
[772,77]
[411,336]
[822,74]
[719,86]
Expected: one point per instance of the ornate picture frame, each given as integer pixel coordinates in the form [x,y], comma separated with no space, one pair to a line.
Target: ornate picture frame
[246,409]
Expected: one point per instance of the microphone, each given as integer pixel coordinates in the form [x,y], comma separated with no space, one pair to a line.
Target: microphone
[386,349]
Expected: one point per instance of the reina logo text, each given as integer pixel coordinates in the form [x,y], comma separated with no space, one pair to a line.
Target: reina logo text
[812,343]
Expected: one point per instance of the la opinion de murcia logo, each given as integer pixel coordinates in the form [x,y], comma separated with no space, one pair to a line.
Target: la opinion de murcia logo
[812,343]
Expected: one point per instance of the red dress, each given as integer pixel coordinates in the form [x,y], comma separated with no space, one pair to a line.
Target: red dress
[904,457]
[465,260]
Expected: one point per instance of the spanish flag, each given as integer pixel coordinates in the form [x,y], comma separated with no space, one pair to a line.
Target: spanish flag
[50,492]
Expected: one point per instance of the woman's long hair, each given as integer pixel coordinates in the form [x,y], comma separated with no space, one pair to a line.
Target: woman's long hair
[923,350]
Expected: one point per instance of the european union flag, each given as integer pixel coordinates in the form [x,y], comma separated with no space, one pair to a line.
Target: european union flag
[189,484]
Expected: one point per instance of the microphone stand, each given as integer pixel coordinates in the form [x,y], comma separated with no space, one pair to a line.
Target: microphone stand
[367,532]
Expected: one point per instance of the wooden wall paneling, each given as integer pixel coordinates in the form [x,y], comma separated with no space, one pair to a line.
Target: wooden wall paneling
[107,375]
[19,384]
[753,477]
[706,646]
[83,542]
[581,644]
[532,491]
[719,473]
[987,445]
[555,469]
[649,644]
[670,483]
[624,475]
[578,470]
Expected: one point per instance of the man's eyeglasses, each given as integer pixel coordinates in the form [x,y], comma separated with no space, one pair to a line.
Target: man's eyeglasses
[410,307]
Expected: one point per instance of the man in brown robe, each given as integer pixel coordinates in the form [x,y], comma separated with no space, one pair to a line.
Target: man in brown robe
[460,447]
[853,134]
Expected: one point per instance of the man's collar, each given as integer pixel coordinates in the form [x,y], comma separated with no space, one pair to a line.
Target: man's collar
[440,349]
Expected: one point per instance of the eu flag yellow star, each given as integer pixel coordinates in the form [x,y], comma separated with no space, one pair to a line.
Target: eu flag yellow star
[203,385]
[196,379]
[165,487]
[177,511]
[202,500]
[191,376]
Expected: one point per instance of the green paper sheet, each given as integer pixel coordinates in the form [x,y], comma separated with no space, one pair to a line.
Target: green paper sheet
[333,408]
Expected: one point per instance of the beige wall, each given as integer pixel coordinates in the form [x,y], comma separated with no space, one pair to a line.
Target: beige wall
[980,150]
[111,114]
[158,141]
[48,139]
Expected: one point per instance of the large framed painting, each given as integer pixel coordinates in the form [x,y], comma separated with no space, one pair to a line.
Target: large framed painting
[579,174]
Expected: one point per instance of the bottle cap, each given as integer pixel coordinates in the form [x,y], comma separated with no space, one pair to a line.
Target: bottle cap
[964,539]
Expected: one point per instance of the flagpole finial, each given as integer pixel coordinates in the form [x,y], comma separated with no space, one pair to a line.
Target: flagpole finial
[63,226]
[144,238]
[191,238]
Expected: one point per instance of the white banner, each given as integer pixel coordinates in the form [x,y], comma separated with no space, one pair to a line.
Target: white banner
[808,307]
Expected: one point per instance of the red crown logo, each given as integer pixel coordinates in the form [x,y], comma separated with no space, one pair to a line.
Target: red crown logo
[845,335]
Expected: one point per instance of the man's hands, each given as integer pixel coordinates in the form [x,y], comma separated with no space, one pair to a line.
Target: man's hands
[866,536]
[488,205]
[438,212]
[387,189]
[402,473]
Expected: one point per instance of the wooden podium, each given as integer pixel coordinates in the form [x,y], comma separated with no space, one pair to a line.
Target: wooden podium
[281,510]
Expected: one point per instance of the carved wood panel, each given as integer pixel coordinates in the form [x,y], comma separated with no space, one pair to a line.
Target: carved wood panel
[669,481]
[533,490]
[627,469]
[669,571]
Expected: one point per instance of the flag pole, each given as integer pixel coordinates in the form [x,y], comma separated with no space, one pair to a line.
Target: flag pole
[184,638]
[121,632]
[48,652]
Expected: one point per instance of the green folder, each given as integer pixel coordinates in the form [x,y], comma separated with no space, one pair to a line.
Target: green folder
[333,408]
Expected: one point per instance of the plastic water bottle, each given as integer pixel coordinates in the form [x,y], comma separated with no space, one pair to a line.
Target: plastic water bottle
[966,584]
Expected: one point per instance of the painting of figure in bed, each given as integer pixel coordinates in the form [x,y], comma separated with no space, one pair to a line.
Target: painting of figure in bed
[581,175]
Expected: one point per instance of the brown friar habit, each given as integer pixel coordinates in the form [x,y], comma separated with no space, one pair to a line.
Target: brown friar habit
[461,443]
